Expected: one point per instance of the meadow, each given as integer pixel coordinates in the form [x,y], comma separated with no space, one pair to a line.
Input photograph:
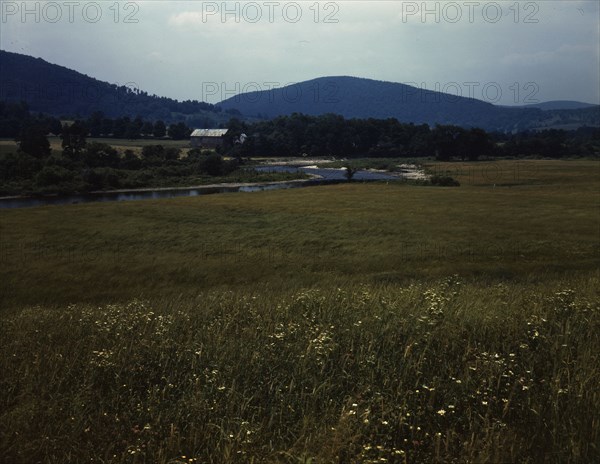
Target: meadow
[355,323]
[9,145]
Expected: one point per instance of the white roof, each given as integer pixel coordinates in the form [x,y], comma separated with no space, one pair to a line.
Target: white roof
[209,132]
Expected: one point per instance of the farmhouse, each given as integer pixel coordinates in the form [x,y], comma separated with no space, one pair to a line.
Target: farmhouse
[207,138]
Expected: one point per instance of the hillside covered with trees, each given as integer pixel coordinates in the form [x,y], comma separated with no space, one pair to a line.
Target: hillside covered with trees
[359,98]
[62,92]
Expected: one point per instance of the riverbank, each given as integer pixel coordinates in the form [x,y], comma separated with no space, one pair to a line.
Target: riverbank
[313,175]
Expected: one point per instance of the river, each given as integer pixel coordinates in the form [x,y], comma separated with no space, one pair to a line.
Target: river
[320,176]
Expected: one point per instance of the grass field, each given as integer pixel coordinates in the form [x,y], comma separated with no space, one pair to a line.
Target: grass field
[347,323]
[10,146]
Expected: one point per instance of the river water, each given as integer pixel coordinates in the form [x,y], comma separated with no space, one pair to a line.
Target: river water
[325,175]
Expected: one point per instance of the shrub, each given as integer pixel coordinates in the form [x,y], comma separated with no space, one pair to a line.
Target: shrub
[444,181]
[53,175]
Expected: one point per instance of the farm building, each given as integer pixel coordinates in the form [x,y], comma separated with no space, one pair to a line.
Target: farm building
[207,138]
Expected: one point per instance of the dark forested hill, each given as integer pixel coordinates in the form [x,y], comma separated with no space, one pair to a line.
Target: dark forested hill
[60,91]
[354,97]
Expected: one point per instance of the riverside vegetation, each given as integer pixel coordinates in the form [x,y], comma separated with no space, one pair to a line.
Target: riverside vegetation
[349,323]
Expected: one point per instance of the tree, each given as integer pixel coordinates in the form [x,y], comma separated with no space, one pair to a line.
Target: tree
[73,139]
[95,123]
[120,126]
[235,129]
[157,153]
[134,129]
[107,126]
[476,142]
[179,131]
[159,130]
[101,154]
[213,165]
[147,128]
[33,141]
[447,140]
[350,171]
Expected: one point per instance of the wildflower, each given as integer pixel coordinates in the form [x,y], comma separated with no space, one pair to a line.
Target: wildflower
[441,412]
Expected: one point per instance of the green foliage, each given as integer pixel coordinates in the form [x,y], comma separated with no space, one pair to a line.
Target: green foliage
[74,139]
[373,233]
[53,176]
[158,153]
[101,154]
[33,141]
[331,135]
[350,171]
[445,371]
[18,166]
[444,181]
[309,325]
[198,153]
[213,165]
[159,129]
[178,131]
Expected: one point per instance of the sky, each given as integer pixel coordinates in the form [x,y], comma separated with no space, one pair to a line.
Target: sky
[504,52]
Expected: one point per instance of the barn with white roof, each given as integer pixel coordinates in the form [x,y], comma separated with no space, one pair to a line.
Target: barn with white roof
[207,138]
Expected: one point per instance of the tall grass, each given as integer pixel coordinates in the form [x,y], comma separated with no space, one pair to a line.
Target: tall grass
[344,324]
[449,371]
[546,224]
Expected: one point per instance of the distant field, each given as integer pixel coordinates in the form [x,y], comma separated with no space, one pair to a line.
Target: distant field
[507,220]
[8,145]
[355,323]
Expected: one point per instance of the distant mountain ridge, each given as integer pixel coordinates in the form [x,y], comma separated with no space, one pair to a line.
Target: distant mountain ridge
[56,90]
[560,105]
[59,91]
[354,97]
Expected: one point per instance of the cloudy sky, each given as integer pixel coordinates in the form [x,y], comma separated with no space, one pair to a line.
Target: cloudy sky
[503,52]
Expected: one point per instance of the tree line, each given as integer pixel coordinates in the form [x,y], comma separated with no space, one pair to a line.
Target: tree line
[334,136]
[325,136]
[16,117]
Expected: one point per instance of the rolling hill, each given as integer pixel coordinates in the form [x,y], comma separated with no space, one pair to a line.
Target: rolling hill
[59,91]
[354,97]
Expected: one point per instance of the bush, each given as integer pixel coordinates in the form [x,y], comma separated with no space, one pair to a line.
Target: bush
[197,153]
[101,154]
[159,153]
[213,165]
[444,181]
[18,166]
[53,175]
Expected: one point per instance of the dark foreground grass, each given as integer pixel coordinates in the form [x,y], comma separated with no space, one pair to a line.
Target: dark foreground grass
[351,323]
[444,372]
